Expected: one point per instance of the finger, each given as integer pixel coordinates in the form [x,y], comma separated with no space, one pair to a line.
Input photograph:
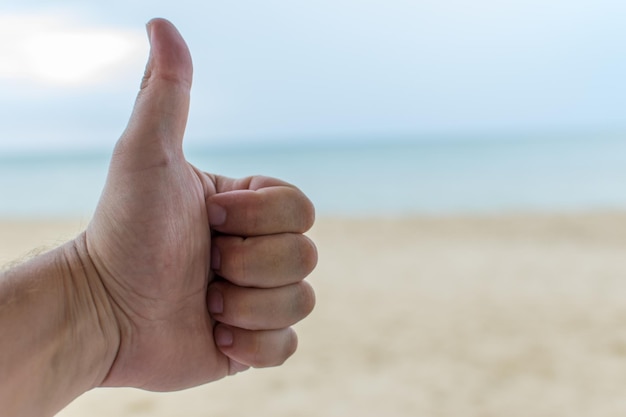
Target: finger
[260,309]
[276,209]
[259,349]
[158,121]
[256,182]
[263,261]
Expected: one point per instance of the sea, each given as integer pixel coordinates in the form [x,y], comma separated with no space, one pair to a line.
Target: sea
[363,178]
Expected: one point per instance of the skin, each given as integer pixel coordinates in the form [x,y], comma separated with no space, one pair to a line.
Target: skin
[181,278]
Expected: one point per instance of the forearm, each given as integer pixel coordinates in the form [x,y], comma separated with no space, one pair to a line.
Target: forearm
[58,339]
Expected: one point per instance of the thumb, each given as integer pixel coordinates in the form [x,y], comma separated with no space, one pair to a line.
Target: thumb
[157,124]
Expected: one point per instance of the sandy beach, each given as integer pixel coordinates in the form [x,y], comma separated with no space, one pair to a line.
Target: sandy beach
[516,315]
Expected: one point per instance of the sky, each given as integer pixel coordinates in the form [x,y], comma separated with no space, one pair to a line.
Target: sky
[324,70]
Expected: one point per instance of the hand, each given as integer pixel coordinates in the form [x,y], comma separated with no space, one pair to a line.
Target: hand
[170,242]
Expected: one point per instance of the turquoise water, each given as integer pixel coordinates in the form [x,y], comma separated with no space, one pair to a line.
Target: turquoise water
[371,178]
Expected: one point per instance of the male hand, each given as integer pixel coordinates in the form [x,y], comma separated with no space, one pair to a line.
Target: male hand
[203,274]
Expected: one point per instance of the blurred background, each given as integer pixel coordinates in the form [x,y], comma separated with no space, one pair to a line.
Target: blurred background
[437,105]
[467,161]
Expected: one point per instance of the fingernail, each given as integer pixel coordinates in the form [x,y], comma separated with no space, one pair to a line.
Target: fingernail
[215,302]
[217,215]
[223,336]
[216,258]
[149,30]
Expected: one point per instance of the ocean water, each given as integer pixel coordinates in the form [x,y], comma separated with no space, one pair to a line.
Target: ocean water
[438,176]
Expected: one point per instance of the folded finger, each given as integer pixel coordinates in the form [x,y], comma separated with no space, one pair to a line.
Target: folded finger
[259,349]
[263,211]
[260,309]
[263,261]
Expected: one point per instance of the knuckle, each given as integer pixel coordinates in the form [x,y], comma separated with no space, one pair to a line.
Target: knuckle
[235,261]
[257,353]
[282,349]
[309,218]
[291,345]
[305,300]
[240,265]
[305,212]
[254,211]
[308,255]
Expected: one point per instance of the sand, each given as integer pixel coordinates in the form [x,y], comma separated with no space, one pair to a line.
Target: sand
[516,315]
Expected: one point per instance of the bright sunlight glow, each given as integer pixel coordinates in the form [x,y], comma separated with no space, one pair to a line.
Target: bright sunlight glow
[55,50]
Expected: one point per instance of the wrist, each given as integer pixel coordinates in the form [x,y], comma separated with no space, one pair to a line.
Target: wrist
[90,319]
[59,334]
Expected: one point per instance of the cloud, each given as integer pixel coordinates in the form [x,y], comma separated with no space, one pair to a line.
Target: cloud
[327,69]
[59,50]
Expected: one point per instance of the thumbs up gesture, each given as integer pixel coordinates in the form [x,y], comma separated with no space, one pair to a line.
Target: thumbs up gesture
[198,276]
